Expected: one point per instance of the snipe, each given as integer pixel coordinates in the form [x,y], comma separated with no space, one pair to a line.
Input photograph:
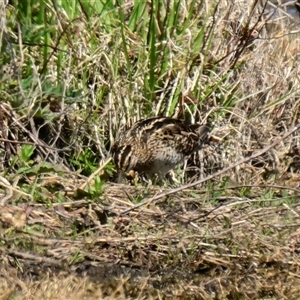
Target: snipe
[154,146]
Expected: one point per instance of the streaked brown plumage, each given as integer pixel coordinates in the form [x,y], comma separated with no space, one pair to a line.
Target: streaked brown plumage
[157,145]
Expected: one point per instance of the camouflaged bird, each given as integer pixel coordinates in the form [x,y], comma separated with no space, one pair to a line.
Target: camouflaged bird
[156,145]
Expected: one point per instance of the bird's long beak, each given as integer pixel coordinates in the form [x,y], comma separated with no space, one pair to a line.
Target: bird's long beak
[120,175]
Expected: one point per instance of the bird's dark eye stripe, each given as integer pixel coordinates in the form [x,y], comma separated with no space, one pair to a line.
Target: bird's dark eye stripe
[124,156]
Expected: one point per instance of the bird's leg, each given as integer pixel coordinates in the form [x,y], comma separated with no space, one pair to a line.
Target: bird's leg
[147,179]
[172,179]
[162,180]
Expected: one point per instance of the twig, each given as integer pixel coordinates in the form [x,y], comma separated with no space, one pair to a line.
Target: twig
[186,186]
[40,145]
[11,189]
[34,257]
[5,183]
[91,177]
[33,144]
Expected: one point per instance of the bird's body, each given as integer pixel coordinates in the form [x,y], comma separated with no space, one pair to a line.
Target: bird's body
[155,146]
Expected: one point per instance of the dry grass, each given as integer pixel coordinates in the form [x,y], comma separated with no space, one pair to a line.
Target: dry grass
[230,248]
[68,232]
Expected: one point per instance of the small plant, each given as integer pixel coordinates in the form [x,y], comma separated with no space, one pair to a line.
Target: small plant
[86,162]
[96,190]
[26,153]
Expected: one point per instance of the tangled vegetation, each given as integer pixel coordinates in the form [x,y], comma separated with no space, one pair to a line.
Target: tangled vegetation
[74,73]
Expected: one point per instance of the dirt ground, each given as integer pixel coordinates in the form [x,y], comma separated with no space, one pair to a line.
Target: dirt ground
[178,247]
